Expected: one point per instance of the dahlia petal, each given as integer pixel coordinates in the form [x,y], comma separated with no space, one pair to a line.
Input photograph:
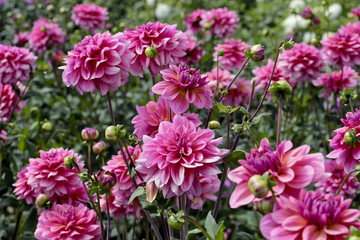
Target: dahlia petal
[294,223]
[285,175]
[349,215]
[313,233]
[241,196]
[336,229]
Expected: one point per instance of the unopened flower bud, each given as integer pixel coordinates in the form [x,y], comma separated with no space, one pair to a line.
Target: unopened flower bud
[317,20]
[106,179]
[207,25]
[307,13]
[41,200]
[281,88]
[176,221]
[68,162]
[151,191]
[111,133]
[89,134]
[257,53]
[150,52]
[258,186]
[214,125]
[314,41]
[350,139]
[264,206]
[99,147]
[47,127]
[221,53]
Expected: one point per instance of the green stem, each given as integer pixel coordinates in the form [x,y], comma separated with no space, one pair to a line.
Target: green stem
[351,105]
[345,180]
[279,120]
[108,218]
[253,136]
[198,226]
[89,157]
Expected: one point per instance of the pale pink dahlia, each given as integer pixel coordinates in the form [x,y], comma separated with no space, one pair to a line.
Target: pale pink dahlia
[209,186]
[184,85]
[89,16]
[15,64]
[223,22]
[9,102]
[311,216]
[301,63]
[331,184]
[44,35]
[168,41]
[239,92]
[292,170]
[149,117]
[341,50]
[334,84]
[192,50]
[262,75]
[98,62]
[21,38]
[350,28]
[68,222]
[233,53]
[124,186]
[193,21]
[344,153]
[176,157]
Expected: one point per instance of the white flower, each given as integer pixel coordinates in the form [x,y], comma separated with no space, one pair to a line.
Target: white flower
[150,3]
[297,5]
[162,10]
[308,36]
[334,10]
[293,22]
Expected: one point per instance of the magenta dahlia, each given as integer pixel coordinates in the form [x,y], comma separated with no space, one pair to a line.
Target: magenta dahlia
[222,22]
[355,12]
[15,64]
[193,21]
[301,63]
[184,85]
[68,222]
[21,38]
[168,41]
[346,154]
[23,189]
[89,16]
[313,215]
[233,53]
[334,83]
[239,92]
[3,137]
[331,184]
[292,170]
[177,155]
[350,28]
[192,50]
[149,117]
[98,62]
[9,102]
[44,35]
[209,186]
[341,50]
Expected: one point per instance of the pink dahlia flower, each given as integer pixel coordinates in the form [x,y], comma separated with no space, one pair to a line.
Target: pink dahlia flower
[192,50]
[209,186]
[169,43]
[176,157]
[344,153]
[68,222]
[233,53]
[334,83]
[341,50]
[149,118]
[15,64]
[21,38]
[239,92]
[44,35]
[313,215]
[184,85]
[9,102]
[223,22]
[193,21]
[350,28]
[331,184]
[355,12]
[301,63]
[3,137]
[100,62]
[292,170]
[23,189]
[124,186]
[89,16]
[262,75]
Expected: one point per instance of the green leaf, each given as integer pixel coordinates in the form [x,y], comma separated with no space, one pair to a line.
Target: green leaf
[244,111]
[216,231]
[234,156]
[138,192]
[192,235]
[222,107]
[234,109]
[244,236]
[257,119]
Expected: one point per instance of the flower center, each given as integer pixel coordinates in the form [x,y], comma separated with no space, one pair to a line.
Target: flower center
[262,160]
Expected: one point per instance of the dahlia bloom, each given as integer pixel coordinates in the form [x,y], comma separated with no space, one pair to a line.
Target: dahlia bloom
[168,41]
[68,222]
[313,215]
[174,159]
[44,35]
[184,85]
[15,64]
[301,63]
[209,186]
[233,53]
[239,92]
[193,52]
[350,28]
[9,102]
[331,184]
[334,84]
[23,189]
[355,12]
[149,118]
[343,153]
[292,170]
[193,21]
[223,22]
[341,50]
[21,38]
[262,75]
[100,62]
[3,137]
[89,16]
[124,186]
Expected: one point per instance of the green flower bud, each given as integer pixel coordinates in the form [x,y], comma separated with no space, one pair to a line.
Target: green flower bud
[207,25]
[214,125]
[111,133]
[258,186]
[221,53]
[176,221]
[282,88]
[350,139]
[42,200]
[264,206]
[150,52]
[47,127]
[68,161]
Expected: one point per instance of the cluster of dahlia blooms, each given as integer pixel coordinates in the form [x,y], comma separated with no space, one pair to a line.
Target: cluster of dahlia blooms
[45,34]
[9,102]
[21,38]
[233,53]
[15,64]
[291,169]
[350,28]
[193,21]
[89,16]
[192,50]
[99,62]
[169,43]
[184,85]
[239,92]
[177,156]
[311,215]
